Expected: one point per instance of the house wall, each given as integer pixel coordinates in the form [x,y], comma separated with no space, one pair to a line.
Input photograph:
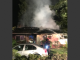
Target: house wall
[40,38]
[26,37]
[53,38]
[20,37]
[58,37]
[63,41]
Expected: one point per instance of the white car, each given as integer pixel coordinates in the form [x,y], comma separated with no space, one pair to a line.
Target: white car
[26,49]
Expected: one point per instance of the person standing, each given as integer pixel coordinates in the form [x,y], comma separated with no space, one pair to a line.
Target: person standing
[47,45]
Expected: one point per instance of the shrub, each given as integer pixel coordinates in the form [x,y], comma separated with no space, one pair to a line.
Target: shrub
[15,54]
[58,56]
[23,58]
[14,43]
[35,57]
[64,46]
[43,58]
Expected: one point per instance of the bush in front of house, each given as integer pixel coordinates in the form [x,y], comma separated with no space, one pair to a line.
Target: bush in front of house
[14,43]
[33,57]
[58,56]
[15,54]
[21,58]
[30,57]
[64,46]
[37,57]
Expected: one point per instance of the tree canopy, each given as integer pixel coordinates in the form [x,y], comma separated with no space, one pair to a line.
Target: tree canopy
[23,5]
[61,14]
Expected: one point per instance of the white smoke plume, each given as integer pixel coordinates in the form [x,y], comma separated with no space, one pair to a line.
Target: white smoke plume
[42,15]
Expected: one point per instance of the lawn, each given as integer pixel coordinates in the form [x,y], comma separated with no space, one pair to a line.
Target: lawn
[60,51]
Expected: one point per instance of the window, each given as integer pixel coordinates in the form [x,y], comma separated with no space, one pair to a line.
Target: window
[18,38]
[34,48]
[30,47]
[22,37]
[19,47]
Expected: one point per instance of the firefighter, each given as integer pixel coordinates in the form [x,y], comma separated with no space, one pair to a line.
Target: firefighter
[47,45]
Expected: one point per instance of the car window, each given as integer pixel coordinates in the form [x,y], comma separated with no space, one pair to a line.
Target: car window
[30,47]
[34,48]
[19,47]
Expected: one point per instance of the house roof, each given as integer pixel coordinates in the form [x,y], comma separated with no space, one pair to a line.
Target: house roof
[33,30]
[26,30]
[45,31]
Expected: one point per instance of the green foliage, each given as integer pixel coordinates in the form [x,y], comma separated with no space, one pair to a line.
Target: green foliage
[55,56]
[15,54]
[34,57]
[13,28]
[14,43]
[60,51]
[23,5]
[51,45]
[58,56]
[43,58]
[65,46]
[23,58]
[61,12]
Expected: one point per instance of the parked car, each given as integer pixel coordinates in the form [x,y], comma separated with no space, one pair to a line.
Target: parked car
[26,49]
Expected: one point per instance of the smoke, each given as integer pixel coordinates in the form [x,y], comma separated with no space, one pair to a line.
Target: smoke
[40,15]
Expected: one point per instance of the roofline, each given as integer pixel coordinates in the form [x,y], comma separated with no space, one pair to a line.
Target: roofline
[24,33]
[38,33]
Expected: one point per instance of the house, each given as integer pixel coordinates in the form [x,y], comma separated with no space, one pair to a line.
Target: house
[25,33]
[36,35]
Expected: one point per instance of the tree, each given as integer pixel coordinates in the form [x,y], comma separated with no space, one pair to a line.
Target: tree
[13,28]
[61,14]
[23,5]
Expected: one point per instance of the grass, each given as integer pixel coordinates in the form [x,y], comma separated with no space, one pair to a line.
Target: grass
[60,51]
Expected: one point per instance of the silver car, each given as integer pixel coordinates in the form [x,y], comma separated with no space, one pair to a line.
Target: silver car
[26,49]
